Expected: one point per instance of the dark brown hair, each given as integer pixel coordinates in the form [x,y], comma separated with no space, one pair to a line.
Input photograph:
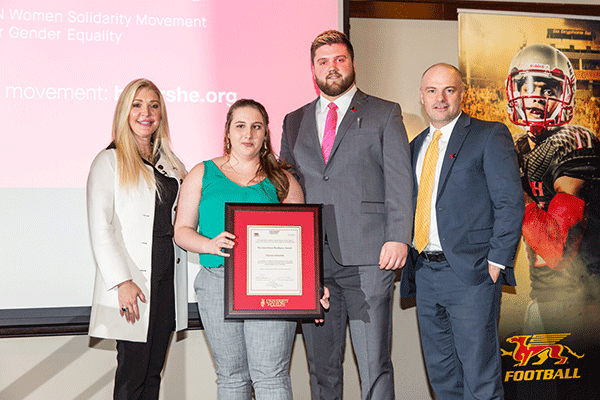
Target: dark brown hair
[269,164]
[328,38]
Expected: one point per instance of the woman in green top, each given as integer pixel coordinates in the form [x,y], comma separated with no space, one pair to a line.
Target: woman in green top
[248,353]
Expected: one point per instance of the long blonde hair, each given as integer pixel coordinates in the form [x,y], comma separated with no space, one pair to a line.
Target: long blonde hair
[129,156]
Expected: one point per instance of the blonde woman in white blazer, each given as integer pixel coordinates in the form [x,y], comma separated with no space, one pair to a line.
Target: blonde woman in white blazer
[140,290]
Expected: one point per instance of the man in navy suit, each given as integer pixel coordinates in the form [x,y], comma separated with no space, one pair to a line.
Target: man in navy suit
[474,212]
[362,176]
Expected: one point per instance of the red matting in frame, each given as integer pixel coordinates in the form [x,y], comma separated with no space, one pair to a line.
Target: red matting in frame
[238,303]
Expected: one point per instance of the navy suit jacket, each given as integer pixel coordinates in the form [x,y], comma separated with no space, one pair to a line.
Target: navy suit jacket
[479,203]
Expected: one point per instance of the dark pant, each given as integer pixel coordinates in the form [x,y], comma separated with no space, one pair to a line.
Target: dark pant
[459,333]
[139,364]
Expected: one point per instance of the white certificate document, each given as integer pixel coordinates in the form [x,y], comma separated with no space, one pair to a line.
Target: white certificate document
[274,260]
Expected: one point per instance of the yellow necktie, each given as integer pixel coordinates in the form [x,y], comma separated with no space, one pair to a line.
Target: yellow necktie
[423,212]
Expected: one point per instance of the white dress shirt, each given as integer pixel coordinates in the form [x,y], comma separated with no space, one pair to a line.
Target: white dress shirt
[322,108]
[434,238]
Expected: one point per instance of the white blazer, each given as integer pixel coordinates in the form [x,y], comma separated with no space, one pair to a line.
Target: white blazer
[121,222]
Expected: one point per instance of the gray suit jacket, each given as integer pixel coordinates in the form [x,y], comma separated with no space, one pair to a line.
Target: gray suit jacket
[366,187]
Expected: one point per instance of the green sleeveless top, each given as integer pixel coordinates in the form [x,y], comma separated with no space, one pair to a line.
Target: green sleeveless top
[217,190]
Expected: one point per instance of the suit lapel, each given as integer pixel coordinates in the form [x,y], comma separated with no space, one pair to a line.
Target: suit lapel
[307,142]
[417,148]
[310,124]
[457,139]
[351,115]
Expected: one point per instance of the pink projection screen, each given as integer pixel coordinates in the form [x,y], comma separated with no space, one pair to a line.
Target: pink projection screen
[63,64]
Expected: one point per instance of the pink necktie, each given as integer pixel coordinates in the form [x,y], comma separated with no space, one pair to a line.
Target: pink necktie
[329,132]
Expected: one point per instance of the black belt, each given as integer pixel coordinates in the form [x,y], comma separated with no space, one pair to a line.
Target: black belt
[433,256]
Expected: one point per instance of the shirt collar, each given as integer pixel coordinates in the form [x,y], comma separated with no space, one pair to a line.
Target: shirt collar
[343,102]
[446,129]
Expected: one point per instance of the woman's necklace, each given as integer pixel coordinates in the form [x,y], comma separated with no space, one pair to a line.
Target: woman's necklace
[148,157]
[246,179]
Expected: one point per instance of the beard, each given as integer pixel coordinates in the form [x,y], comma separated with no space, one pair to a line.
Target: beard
[336,88]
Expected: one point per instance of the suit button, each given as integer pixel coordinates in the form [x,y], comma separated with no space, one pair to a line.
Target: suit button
[178,260]
[325,178]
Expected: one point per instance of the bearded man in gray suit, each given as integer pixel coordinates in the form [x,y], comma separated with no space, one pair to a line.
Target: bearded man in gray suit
[353,157]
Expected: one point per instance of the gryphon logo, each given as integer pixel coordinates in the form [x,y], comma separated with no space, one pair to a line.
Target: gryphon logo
[542,346]
[539,348]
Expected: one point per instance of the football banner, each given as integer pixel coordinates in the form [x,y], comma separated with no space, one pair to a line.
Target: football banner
[540,76]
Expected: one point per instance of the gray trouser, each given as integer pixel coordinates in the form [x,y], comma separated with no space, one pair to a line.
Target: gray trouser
[248,353]
[361,296]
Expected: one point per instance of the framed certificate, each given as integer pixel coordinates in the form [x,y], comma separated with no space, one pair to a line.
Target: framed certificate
[275,267]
